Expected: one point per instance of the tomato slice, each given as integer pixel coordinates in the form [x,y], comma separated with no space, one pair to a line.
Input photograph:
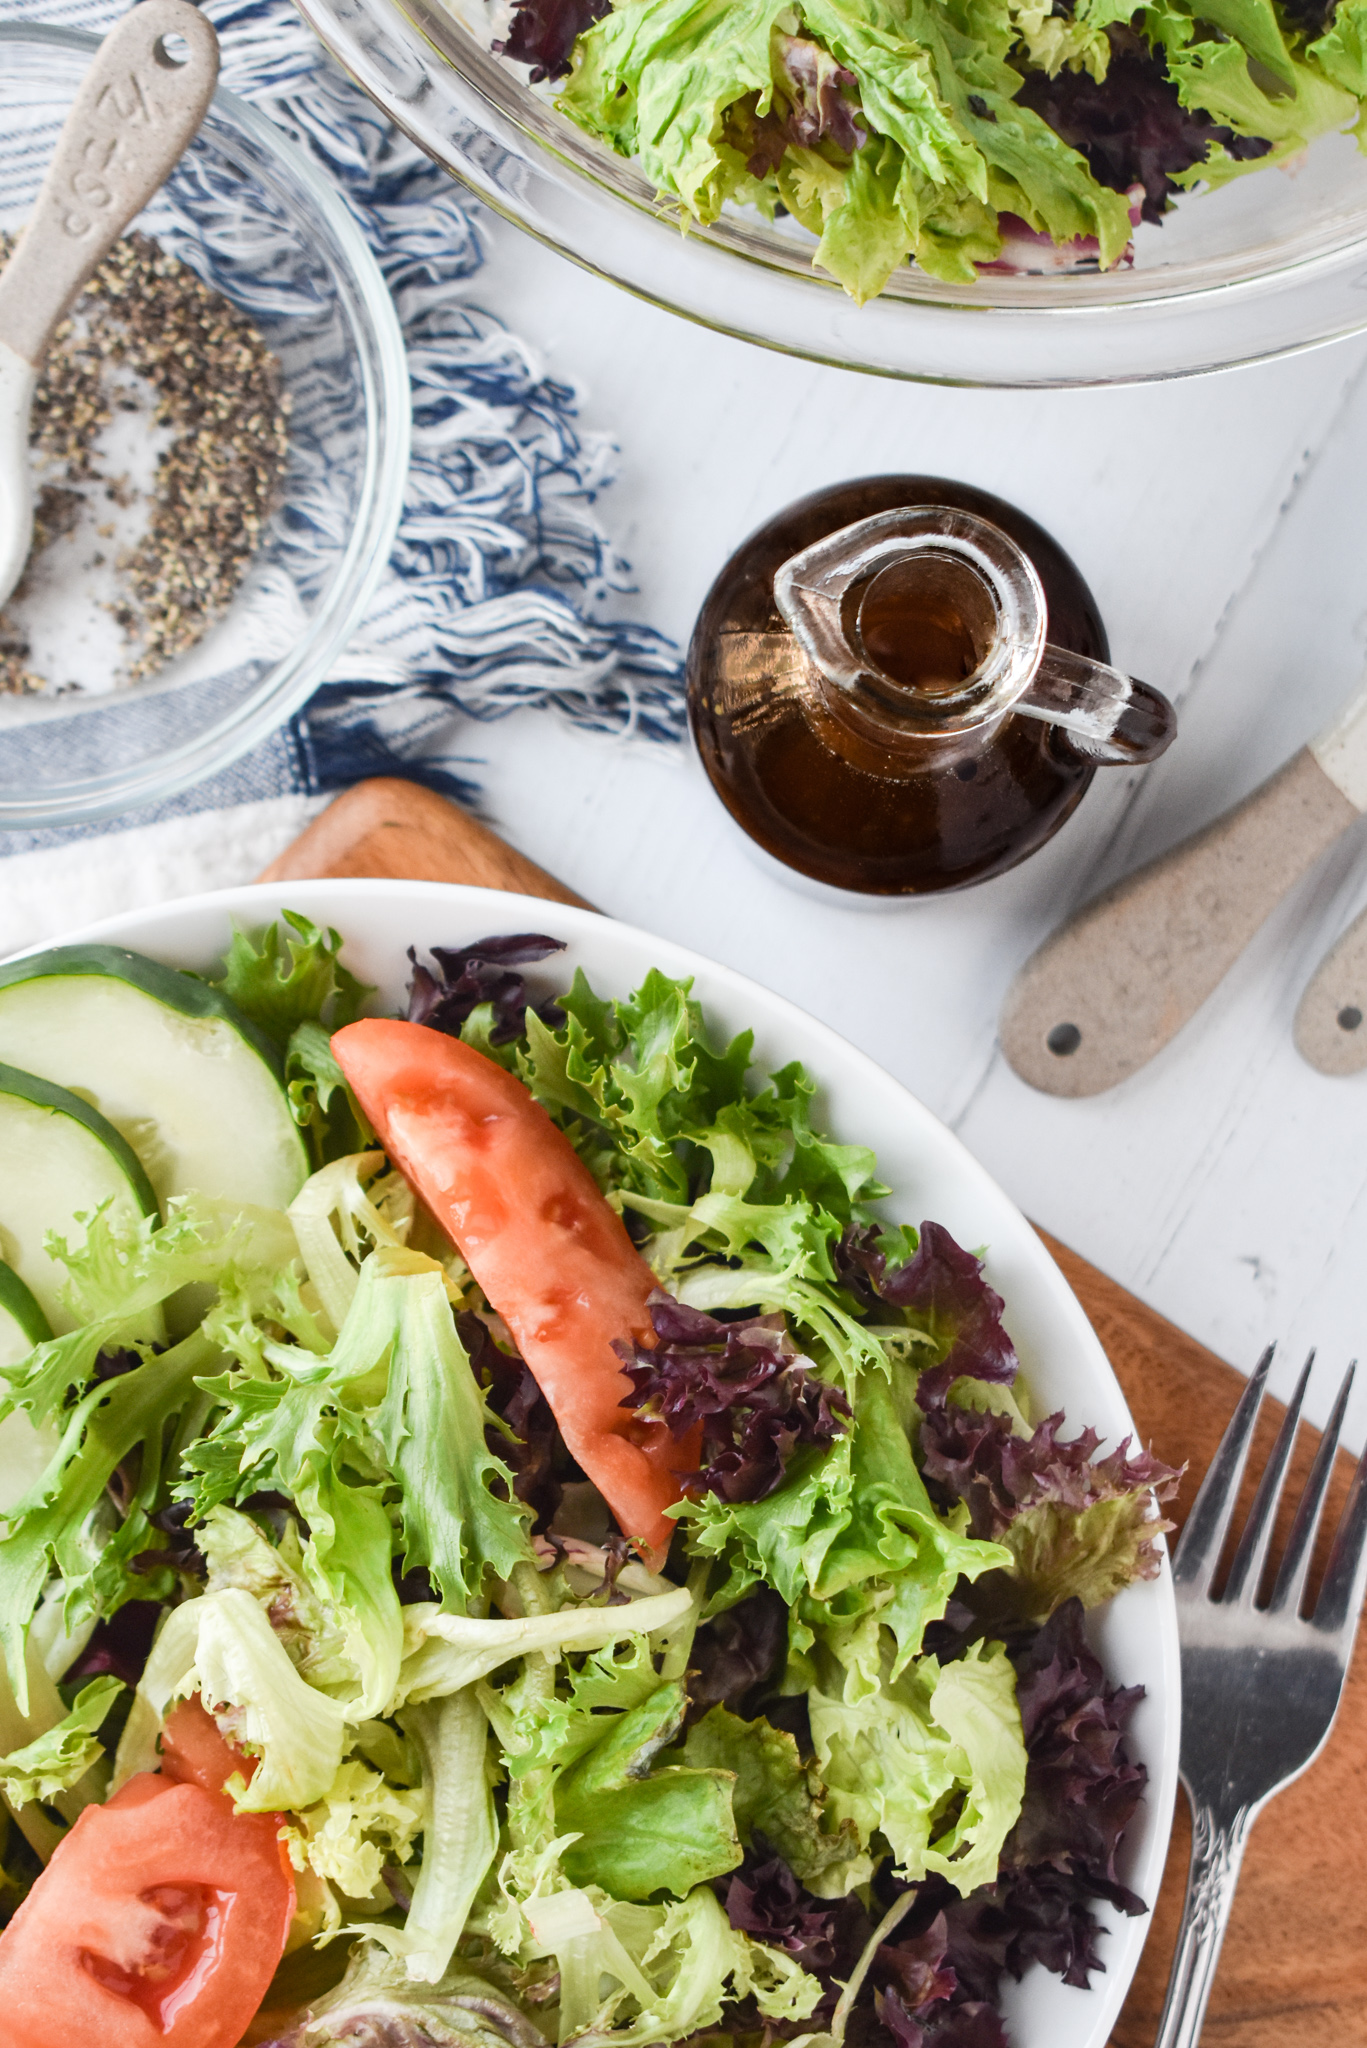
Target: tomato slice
[193,1752]
[158,1924]
[551,1256]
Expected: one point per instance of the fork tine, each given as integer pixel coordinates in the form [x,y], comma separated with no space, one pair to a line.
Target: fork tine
[1203,1537]
[1345,1575]
[1246,1572]
[1289,1590]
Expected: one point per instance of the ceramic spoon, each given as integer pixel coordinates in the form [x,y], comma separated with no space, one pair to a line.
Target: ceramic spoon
[1120,979]
[139,104]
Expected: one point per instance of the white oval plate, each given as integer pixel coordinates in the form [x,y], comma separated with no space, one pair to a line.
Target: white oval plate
[931,1175]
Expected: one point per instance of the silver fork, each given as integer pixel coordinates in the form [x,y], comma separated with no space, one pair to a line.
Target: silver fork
[1260,1685]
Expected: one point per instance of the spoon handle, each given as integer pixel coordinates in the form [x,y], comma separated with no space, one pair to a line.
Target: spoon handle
[1120,979]
[1331,1020]
[136,109]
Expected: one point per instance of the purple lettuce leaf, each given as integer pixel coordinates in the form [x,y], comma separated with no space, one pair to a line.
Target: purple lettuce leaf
[970,2025]
[969,1945]
[819,111]
[544,32]
[1081,1787]
[120,1645]
[808,108]
[915,1970]
[482,973]
[739,1654]
[1027,1916]
[536,1454]
[765,1900]
[943,1285]
[1132,127]
[1075,1523]
[743,1383]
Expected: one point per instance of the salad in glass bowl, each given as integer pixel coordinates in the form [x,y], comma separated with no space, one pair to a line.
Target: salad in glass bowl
[505,1542]
[956,133]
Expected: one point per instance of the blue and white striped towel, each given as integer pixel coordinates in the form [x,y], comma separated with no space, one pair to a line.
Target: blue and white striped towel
[498,592]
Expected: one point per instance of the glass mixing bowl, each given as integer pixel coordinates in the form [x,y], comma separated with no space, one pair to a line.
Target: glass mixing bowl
[248,213]
[1274,262]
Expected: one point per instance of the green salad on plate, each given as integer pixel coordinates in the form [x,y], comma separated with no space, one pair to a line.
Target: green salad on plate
[541,1561]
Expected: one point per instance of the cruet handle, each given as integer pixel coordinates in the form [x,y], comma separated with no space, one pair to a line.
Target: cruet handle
[1110,718]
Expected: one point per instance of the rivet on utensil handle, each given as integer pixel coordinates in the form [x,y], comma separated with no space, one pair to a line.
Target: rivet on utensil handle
[1108,991]
[1331,1019]
[137,107]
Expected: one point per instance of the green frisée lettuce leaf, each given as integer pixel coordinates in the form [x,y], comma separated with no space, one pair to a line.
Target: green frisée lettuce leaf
[641,1830]
[120,1276]
[775,1796]
[55,1527]
[364,1823]
[1341,52]
[292,985]
[284,1579]
[289,1435]
[938,1741]
[393,1399]
[320,1101]
[635,1975]
[431,1425]
[675,1107]
[851,1534]
[291,976]
[1216,77]
[222,1646]
[334,1428]
[342,1211]
[114,1395]
[57,1760]
[460,1832]
[445,1652]
[612,1678]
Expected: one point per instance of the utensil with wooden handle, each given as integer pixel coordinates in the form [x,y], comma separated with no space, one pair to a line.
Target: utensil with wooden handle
[395,829]
[138,106]
[1122,977]
[1331,1020]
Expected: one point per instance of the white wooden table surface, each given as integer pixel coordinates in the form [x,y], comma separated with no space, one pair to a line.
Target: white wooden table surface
[1222,524]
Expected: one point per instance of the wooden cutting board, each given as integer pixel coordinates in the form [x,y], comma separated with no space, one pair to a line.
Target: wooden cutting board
[1295,1959]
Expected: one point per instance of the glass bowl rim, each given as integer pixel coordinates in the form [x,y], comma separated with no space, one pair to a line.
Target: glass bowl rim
[376,341]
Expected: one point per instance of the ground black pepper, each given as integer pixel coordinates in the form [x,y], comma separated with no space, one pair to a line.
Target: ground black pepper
[218,388]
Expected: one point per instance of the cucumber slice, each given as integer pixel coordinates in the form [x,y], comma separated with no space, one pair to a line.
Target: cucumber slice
[22,1322]
[193,1085]
[25,1452]
[61,1158]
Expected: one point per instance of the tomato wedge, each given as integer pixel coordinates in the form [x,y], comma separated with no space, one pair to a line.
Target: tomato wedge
[551,1256]
[158,1924]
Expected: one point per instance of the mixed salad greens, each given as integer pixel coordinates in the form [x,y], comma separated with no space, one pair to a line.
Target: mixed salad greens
[959,133]
[724,1678]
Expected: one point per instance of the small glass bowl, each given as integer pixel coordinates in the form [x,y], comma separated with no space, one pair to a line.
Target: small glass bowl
[1274,262]
[250,215]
